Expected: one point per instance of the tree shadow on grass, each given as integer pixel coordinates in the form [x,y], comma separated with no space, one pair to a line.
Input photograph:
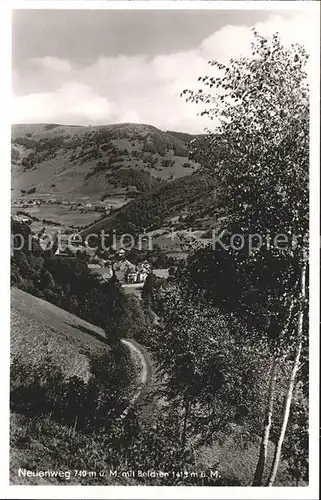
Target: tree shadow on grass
[89,331]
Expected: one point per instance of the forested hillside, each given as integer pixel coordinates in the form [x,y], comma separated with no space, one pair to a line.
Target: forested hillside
[191,199]
[98,161]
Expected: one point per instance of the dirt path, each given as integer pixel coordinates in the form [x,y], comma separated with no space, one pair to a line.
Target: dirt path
[145,375]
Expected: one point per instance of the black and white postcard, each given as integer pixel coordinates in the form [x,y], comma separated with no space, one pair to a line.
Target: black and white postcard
[162,211]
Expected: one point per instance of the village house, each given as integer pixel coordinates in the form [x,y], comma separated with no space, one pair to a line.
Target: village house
[124,270]
[21,218]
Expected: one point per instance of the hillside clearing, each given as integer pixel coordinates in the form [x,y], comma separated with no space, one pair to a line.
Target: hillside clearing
[39,328]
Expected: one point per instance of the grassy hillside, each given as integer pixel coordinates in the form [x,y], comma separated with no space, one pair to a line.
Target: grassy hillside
[74,161]
[39,328]
[63,377]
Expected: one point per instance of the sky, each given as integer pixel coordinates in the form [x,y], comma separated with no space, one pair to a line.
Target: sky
[97,67]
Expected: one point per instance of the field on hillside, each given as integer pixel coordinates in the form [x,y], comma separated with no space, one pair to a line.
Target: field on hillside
[96,161]
[65,214]
[39,328]
[32,341]
[58,214]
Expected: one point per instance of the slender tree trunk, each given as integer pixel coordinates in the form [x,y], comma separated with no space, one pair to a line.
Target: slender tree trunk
[288,397]
[75,425]
[258,475]
[186,415]
[257,481]
[286,412]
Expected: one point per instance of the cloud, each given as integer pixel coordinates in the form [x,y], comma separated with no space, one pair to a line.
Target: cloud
[73,102]
[235,41]
[54,64]
[137,88]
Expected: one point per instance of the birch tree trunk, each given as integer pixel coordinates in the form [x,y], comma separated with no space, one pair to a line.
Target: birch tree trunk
[257,481]
[186,415]
[288,397]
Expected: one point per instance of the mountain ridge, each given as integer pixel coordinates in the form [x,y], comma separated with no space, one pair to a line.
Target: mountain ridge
[96,160]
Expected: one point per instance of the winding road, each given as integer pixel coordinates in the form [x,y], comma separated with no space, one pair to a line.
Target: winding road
[139,352]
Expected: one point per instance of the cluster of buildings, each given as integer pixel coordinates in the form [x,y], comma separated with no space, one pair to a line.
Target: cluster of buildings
[123,269]
[136,274]
[26,203]
[87,206]
[21,218]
